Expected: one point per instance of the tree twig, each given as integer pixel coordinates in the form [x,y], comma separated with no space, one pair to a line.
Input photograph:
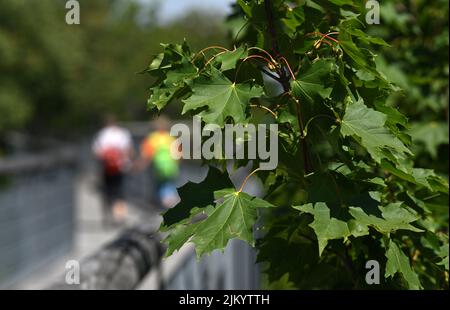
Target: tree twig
[246,179]
[264,108]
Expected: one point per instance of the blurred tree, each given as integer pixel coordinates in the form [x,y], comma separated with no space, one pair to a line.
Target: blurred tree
[58,79]
[418,63]
[34,67]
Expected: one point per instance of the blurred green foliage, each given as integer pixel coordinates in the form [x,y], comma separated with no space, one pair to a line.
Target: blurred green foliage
[418,63]
[58,79]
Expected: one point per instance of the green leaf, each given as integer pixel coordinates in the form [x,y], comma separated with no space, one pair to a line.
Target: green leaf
[161,96]
[245,7]
[443,253]
[295,17]
[173,71]
[315,6]
[363,37]
[156,62]
[397,261]
[357,55]
[310,84]
[419,176]
[357,228]
[180,74]
[182,232]
[233,217]
[431,134]
[342,2]
[395,217]
[221,98]
[229,59]
[173,55]
[197,195]
[395,121]
[326,228]
[368,127]
[361,57]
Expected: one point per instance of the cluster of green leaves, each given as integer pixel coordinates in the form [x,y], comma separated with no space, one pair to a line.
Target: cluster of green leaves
[346,189]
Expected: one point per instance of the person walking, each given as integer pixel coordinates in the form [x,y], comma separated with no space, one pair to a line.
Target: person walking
[155,150]
[113,149]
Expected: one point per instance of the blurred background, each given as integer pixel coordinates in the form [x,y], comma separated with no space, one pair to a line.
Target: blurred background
[57,83]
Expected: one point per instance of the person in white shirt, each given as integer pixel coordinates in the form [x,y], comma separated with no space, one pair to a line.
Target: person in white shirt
[113,148]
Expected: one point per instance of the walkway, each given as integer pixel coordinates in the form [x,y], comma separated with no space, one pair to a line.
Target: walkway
[89,234]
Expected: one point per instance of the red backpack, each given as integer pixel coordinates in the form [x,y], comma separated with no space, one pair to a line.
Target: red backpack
[112,161]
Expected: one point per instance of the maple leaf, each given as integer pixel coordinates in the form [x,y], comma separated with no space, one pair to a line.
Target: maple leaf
[311,82]
[368,127]
[233,217]
[397,261]
[221,98]
[325,227]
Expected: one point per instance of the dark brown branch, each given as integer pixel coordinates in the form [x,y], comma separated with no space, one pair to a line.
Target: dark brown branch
[271,27]
[284,79]
[304,143]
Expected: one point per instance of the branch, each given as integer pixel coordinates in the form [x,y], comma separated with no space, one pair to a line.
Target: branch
[246,179]
[306,160]
[264,108]
[271,27]
[284,81]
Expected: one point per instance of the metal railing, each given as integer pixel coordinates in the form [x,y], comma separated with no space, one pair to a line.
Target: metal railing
[36,210]
[120,264]
[235,268]
[37,224]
